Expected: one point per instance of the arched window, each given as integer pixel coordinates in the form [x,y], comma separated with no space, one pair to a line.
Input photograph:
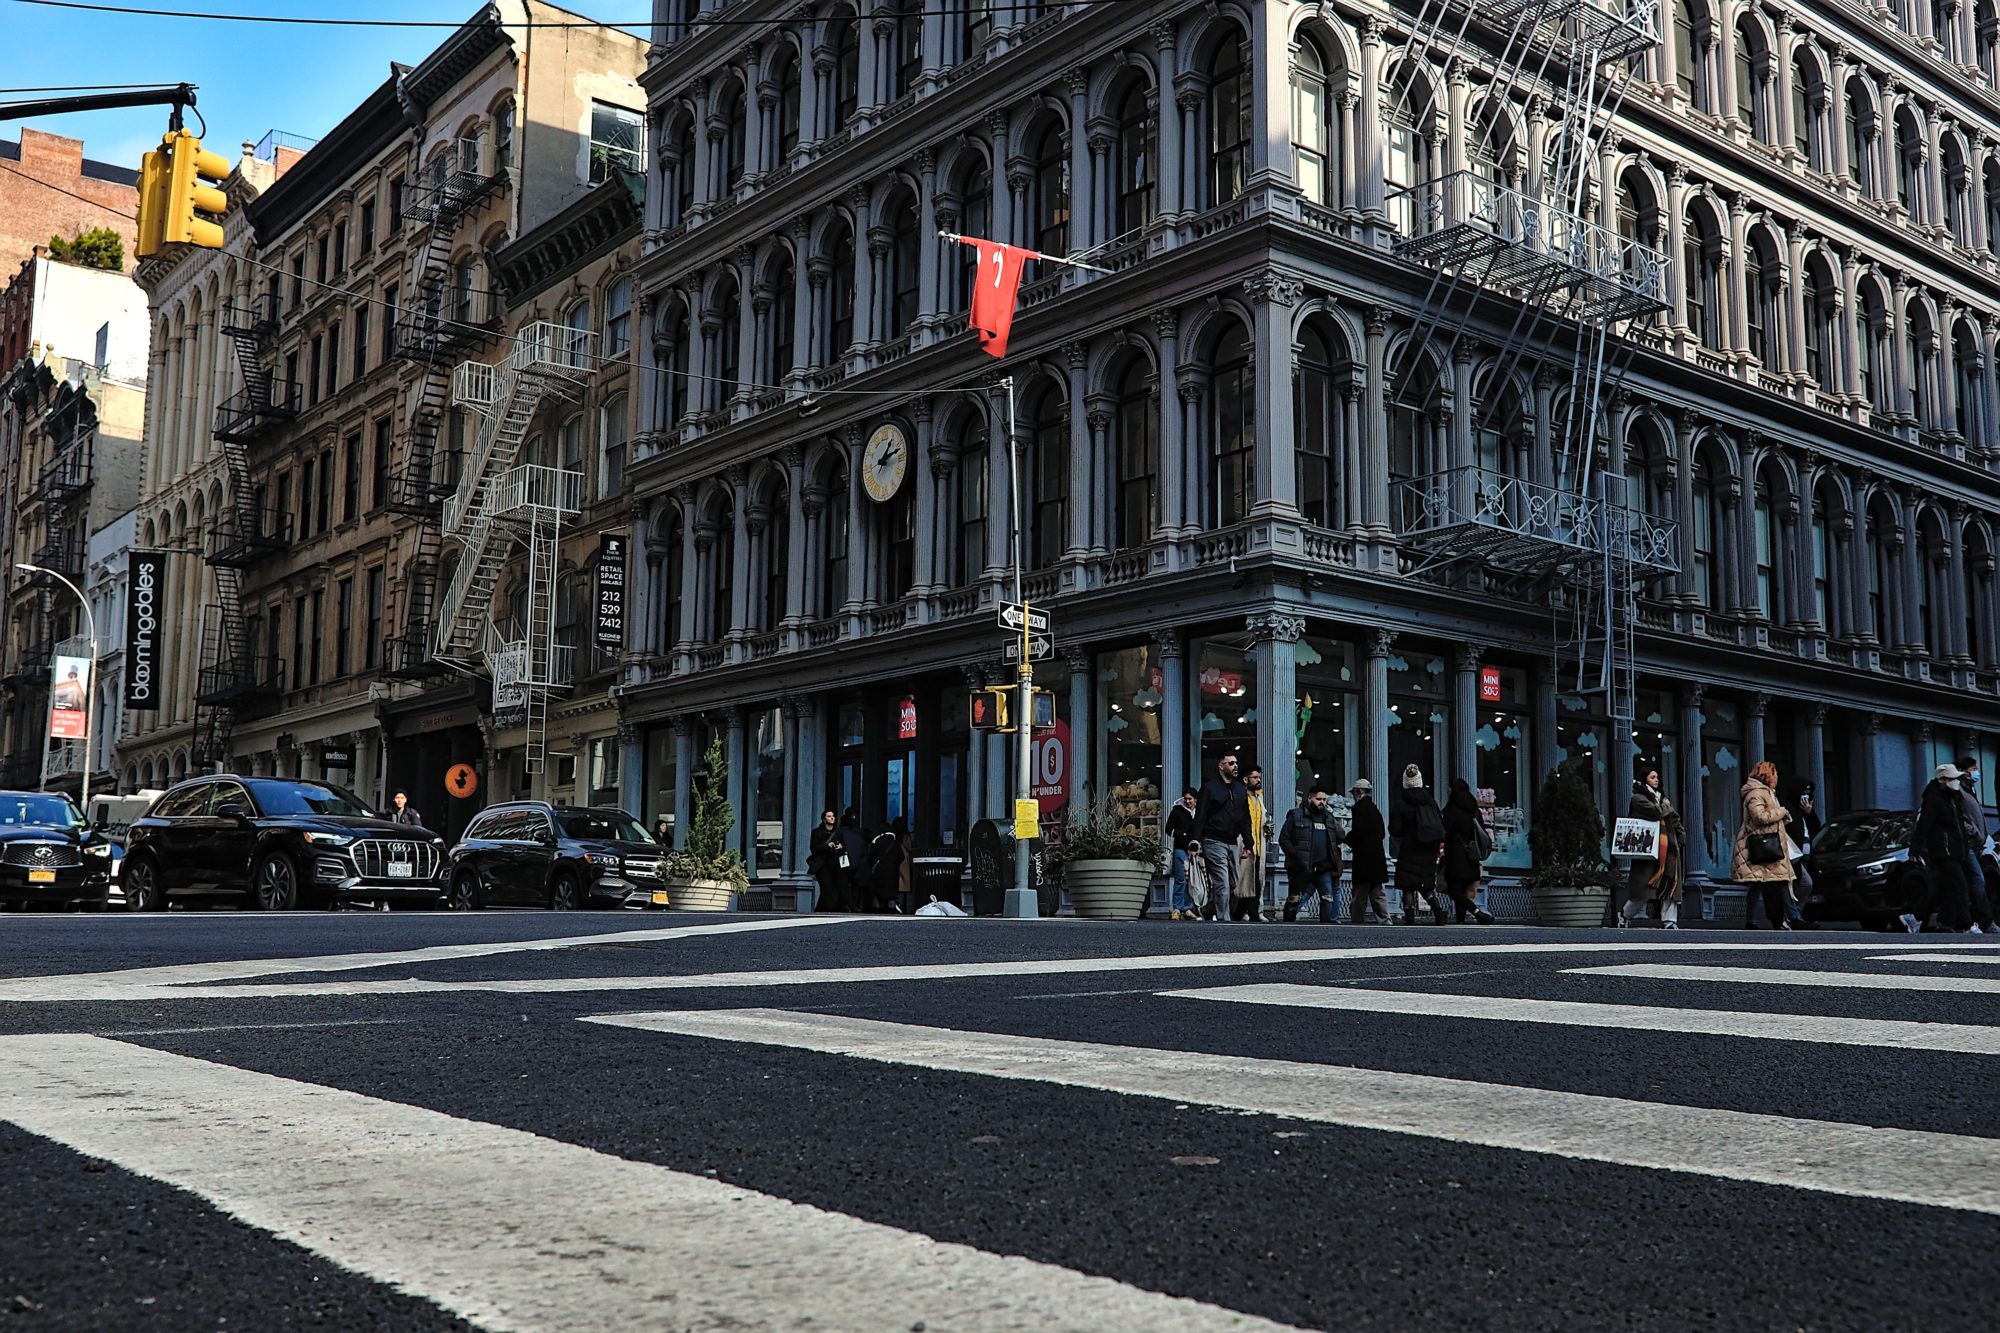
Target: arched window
[1051,186]
[1318,425]
[1825,568]
[1412,414]
[1871,340]
[1490,138]
[1986,40]
[1909,159]
[1232,430]
[1957,191]
[1707,529]
[786,74]
[1229,117]
[1138,129]
[1760,299]
[1809,112]
[1753,102]
[612,434]
[899,544]
[671,354]
[1404,119]
[1944,27]
[1933,563]
[781,286]
[1045,501]
[1968,382]
[1136,498]
[721,592]
[774,559]
[1979,594]
[725,361]
[735,125]
[975,203]
[1861,130]
[839,290]
[909,39]
[1702,272]
[1686,53]
[1884,541]
[833,541]
[683,169]
[905,246]
[1920,351]
[570,599]
[503,136]
[618,319]
[975,26]
[1772,574]
[1820,311]
[845,39]
[1313,126]
[970,475]
[1992,202]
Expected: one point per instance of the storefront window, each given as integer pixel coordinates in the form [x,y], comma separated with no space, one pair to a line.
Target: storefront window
[1226,704]
[953,738]
[1130,703]
[1655,745]
[1329,719]
[851,735]
[1582,732]
[770,779]
[662,777]
[1722,776]
[1419,709]
[1505,759]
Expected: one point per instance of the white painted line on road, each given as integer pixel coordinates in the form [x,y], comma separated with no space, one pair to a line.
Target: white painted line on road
[1962,1038]
[515,1231]
[114,985]
[1785,976]
[1957,956]
[1908,1166]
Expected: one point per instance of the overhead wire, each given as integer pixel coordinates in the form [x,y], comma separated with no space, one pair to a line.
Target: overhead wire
[695,24]
[47,185]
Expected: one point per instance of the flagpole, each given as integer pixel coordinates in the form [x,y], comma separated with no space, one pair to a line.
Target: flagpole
[1032,254]
[1021,899]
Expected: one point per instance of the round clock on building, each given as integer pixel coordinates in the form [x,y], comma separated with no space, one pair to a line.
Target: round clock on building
[885,462]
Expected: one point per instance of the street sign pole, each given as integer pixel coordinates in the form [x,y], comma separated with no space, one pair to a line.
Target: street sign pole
[1021,900]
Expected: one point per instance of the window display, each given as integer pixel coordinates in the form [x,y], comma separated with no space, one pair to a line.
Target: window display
[1130,703]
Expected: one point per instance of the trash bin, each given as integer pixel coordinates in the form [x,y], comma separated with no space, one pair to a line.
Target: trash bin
[935,877]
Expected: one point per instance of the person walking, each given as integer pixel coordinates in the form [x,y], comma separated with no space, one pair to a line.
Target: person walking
[1763,856]
[405,813]
[1940,838]
[1417,826]
[855,871]
[1370,869]
[1310,842]
[1180,837]
[1247,903]
[888,870]
[1222,827]
[1978,842]
[1656,882]
[1466,844]
[826,862]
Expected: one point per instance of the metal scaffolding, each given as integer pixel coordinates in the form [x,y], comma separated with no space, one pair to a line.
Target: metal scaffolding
[1522,248]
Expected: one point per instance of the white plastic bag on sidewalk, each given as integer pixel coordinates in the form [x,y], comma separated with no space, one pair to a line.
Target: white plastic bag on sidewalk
[936,908]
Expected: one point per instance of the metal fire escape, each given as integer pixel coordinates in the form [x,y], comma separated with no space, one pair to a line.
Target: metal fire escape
[232,673]
[444,317]
[1577,296]
[500,503]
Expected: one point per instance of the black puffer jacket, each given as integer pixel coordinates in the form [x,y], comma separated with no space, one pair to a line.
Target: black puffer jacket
[1417,826]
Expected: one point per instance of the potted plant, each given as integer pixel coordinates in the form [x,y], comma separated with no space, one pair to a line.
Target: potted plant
[1107,869]
[703,873]
[1569,882]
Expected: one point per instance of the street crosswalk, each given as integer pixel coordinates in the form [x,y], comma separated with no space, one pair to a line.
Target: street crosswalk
[1785,976]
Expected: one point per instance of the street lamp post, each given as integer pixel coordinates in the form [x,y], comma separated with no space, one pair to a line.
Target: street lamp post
[90,694]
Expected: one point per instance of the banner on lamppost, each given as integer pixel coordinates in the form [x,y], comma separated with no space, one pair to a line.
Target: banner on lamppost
[148,573]
[610,591]
[69,699]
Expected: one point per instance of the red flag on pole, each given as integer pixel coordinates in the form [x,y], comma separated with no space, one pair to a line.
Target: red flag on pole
[993,291]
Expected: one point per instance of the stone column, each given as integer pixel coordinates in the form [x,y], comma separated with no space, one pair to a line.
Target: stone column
[1173,477]
[1082,728]
[930,302]
[796,817]
[1276,634]
[866,330]
[736,748]
[1082,185]
[1753,731]
[1816,757]
[857,527]
[930,467]
[690,626]
[1369,150]
[1083,497]
[796,544]
[999,480]
[1690,793]
[1273,294]
[1168,132]
[1465,664]
[740,547]
[1375,712]
[684,728]
[1375,446]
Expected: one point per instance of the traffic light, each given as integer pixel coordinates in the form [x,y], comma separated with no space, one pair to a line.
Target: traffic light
[154,176]
[989,709]
[194,187]
[1045,710]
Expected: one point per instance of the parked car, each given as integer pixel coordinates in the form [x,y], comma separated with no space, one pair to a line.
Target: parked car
[1862,871]
[111,817]
[47,855]
[534,854]
[278,843]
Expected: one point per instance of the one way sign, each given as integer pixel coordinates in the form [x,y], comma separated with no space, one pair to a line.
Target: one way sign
[1040,649]
[1013,613]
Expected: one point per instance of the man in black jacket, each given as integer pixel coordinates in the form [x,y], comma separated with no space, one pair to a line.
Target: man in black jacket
[1310,841]
[1365,834]
[1222,823]
[1940,839]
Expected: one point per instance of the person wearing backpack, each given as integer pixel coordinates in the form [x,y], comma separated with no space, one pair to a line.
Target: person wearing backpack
[1417,828]
[1310,841]
[1467,844]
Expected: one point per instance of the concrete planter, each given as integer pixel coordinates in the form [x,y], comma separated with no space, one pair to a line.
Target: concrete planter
[1108,890]
[700,895]
[1571,905]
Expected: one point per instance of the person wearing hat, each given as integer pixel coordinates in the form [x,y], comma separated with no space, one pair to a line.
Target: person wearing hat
[1940,840]
[1417,825]
[1365,833]
[1978,841]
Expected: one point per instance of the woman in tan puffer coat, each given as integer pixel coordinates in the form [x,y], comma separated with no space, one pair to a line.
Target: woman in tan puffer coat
[1763,812]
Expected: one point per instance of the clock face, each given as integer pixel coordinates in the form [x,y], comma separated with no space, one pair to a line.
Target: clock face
[885,462]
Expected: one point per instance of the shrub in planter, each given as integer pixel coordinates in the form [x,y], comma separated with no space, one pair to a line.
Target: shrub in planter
[703,872]
[1106,870]
[1569,880]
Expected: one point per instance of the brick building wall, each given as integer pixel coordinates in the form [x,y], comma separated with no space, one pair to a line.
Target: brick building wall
[99,194]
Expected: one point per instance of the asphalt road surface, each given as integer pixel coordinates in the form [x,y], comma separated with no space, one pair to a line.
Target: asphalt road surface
[541,1121]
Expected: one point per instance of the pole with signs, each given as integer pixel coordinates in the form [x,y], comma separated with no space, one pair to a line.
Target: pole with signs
[1021,899]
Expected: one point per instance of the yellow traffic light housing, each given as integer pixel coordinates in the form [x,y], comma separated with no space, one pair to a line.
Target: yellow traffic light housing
[154,175]
[989,709]
[194,187]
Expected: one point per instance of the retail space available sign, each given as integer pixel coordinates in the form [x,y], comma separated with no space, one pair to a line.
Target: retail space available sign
[69,699]
[1050,769]
[144,593]
[610,588]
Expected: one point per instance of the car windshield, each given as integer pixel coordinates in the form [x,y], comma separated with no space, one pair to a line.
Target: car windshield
[1882,831]
[45,811]
[307,798]
[603,825]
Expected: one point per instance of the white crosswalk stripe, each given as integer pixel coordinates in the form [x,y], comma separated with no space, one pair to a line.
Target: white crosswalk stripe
[1911,1166]
[1875,1033]
[1784,976]
[1956,956]
[515,1231]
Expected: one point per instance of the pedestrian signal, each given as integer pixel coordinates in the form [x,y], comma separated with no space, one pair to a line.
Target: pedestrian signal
[989,710]
[1045,710]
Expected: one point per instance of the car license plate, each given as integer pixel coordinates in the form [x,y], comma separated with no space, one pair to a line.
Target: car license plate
[401,870]
[660,900]
[41,877]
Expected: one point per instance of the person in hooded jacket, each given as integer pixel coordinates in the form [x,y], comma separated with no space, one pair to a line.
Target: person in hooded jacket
[1764,817]
[1417,826]
[1462,856]
[1942,837]
[857,879]
[1365,834]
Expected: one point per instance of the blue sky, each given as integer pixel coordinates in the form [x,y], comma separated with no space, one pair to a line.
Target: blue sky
[252,77]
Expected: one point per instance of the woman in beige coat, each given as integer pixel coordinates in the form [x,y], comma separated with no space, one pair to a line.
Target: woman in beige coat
[1763,812]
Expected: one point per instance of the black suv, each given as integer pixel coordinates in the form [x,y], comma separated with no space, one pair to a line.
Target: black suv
[279,842]
[533,854]
[46,854]
[1862,870]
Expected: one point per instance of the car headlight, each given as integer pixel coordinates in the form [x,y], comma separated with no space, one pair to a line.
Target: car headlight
[328,839]
[605,859]
[102,849]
